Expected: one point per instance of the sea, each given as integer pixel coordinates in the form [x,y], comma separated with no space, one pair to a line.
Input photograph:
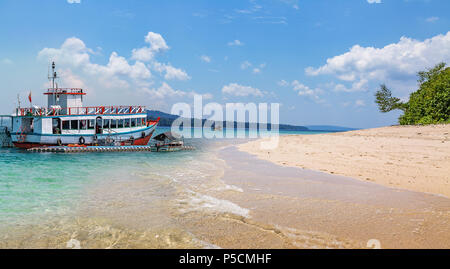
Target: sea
[117,199]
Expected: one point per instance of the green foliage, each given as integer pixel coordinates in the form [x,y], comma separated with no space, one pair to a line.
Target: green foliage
[385,101]
[430,104]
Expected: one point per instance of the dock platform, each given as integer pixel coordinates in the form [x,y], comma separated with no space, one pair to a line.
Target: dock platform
[67,149]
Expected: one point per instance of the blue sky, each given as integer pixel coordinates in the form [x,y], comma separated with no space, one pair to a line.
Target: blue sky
[321,60]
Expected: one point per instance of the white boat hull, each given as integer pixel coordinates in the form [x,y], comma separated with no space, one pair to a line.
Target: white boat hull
[31,140]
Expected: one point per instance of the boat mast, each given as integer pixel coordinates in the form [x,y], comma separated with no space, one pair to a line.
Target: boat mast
[53,77]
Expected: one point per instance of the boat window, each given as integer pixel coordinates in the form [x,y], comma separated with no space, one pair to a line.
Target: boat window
[83,124]
[127,123]
[138,122]
[66,125]
[120,123]
[133,122]
[106,124]
[56,126]
[143,121]
[74,124]
[91,124]
[113,123]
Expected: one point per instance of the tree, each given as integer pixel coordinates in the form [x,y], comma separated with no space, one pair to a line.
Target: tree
[385,101]
[430,104]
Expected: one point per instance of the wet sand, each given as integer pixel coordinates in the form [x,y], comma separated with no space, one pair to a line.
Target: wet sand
[409,157]
[235,200]
[317,210]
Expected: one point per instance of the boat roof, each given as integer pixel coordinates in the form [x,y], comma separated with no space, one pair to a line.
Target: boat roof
[81,111]
[167,135]
[69,91]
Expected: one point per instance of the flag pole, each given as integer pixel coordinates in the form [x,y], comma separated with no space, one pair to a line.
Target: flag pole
[30,99]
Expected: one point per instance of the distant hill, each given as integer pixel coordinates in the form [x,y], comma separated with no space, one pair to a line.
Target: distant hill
[167,120]
[155,114]
[329,128]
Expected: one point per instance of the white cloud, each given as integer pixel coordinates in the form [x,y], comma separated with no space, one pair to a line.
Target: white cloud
[345,104]
[74,1]
[157,45]
[360,85]
[292,3]
[6,61]
[239,90]
[74,53]
[156,41]
[271,19]
[245,65]
[258,69]
[374,1]
[395,64]
[126,78]
[68,78]
[170,71]
[303,90]
[235,43]
[432,19]
[175,73]
[360,103]
[205,58]
[207,96]
[283,83]
[165,91]
[144,54]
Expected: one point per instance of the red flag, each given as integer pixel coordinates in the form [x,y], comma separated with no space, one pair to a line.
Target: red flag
[29,97]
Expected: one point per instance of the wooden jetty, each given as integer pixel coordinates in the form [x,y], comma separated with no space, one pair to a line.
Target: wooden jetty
[72,149]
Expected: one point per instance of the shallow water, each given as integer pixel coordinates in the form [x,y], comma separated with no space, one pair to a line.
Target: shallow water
[212,197]
[47,199]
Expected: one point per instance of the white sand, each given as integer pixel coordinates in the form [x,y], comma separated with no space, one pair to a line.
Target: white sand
[410,157]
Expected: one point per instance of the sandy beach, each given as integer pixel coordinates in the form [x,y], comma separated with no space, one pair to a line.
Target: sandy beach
[221,197]
[415,158]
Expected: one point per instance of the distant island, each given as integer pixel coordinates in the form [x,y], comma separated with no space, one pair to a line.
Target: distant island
[331,128]
[167,119]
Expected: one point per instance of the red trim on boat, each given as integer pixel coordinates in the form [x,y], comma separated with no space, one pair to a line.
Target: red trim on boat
[69,93]
[26,145]
[142,141]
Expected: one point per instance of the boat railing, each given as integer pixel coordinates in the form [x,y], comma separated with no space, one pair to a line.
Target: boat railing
[94,110]
[65,91]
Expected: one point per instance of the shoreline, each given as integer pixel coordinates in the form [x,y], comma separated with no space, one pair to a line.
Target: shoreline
[235,200]
[311,209]
[415,158]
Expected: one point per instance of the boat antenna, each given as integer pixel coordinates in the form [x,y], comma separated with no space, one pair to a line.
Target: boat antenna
[54,75]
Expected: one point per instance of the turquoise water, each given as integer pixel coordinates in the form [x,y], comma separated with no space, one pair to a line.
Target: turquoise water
[193,199]
[36,186]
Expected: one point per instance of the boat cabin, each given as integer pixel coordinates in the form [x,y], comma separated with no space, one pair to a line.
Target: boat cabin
[66,121]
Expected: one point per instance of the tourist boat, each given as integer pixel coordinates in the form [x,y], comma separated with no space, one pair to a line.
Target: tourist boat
[65,122]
